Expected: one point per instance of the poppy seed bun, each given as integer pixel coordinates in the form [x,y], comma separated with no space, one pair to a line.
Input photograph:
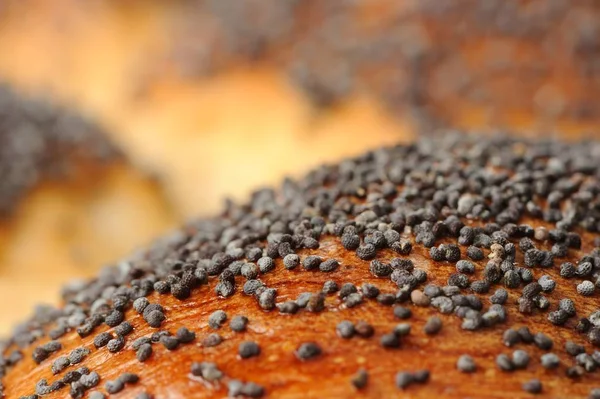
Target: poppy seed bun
[328,287]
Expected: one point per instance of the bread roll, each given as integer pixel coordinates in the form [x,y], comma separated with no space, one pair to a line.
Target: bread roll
[454,267]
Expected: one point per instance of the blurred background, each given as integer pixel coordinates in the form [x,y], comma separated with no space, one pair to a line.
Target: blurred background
[120,119]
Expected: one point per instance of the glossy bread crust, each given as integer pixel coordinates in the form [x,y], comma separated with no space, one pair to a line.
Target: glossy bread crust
[167,373]
[454,189]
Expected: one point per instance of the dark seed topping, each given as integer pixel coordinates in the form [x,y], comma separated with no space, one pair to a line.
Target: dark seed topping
[308,350]
[360,379]
[433,325]
[217,319]
[532,386]
[144,352]
[466,364]
[248,349]
[102,339]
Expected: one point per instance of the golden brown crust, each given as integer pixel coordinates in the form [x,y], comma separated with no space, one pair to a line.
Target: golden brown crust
[167,374]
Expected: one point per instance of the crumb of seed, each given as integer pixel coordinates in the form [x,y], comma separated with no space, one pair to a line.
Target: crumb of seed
[90,380]
[520,359]
[567,270]
[97,395]
[433,325]
[466,364]
[452,253]
[500,296]
[404,379]
[347,289]
[353,300]
[350,241]
[542,341]
[402,329]
[311,262]
[504,363]
[265,264]
[379,268]
[360,379]
[252,390]
[102,339]
[532,386]
[154,318]
[266,299]
[60,364]
[575,372]
[369,290]
[217,319]
[525,334]
[78,354]
[113,387]
[140,341]
[316,302]
[366,252]
[558,317]
[184,335]
[586,288]
[345,329]
[511,337]
[330,287]
[436,254]
[549,361]
[364,329]
[211,340]
[418,298]
[123,329]
[308,350]
[329,265]
[568,306]
[475,253]
[402,312]
[129,378]
[584,269]
[71,376]
[169,342]
[207,370]
[421,376]
[248,349]
[144,352]
[573,348]
[115,344]
[157,335]
[114,318]
[143,395]
[288,307]
[291,261]
[390,340]
[238,323]
[140,304]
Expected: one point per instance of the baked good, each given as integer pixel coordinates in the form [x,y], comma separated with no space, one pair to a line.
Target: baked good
[454,267]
